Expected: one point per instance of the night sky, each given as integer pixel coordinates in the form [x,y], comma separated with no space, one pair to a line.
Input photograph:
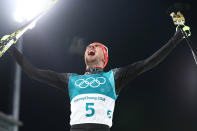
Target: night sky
[162,99]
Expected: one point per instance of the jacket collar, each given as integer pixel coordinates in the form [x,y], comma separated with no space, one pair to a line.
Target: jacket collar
[94,70]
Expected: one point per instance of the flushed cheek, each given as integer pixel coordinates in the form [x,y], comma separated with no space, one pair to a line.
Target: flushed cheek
[86,54]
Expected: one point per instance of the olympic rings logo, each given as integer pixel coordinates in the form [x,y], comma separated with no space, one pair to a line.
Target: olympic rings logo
[92,82]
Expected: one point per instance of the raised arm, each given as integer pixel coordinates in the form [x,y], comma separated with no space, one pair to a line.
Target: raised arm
[124,74]
[49,77]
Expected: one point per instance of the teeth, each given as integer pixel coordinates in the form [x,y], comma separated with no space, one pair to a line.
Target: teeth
[90,51]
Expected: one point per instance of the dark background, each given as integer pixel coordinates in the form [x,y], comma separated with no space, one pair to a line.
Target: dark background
[162,99]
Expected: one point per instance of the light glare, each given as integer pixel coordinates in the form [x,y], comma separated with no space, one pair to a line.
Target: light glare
[28,9]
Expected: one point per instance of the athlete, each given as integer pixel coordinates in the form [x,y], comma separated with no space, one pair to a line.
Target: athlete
[93,94]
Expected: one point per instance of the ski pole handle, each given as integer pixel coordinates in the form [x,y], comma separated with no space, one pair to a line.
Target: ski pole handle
[8,40]
[5,43]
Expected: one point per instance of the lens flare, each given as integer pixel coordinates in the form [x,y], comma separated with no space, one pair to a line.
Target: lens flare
[28,9]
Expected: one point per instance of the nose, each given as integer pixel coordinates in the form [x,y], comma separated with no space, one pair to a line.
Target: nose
[92,46]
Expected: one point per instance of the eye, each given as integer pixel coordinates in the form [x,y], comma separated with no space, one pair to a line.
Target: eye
[97,45]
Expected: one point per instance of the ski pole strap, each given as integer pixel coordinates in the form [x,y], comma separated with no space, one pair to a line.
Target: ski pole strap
[185,30]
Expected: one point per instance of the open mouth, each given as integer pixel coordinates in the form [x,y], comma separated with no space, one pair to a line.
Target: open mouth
[91,52]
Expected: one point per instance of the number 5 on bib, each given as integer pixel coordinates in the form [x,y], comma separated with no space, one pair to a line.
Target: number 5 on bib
[90,108]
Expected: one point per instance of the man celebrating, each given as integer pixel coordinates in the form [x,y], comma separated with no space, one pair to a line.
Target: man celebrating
[93,94]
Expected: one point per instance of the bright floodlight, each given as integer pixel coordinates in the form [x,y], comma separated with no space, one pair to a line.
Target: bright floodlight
[28,9]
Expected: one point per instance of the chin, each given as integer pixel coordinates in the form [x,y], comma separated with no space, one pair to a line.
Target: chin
[91,59]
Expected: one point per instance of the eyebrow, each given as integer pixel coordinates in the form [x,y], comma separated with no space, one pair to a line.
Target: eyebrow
[95,45]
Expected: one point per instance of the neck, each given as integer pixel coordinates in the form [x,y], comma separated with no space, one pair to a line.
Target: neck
[95,65]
